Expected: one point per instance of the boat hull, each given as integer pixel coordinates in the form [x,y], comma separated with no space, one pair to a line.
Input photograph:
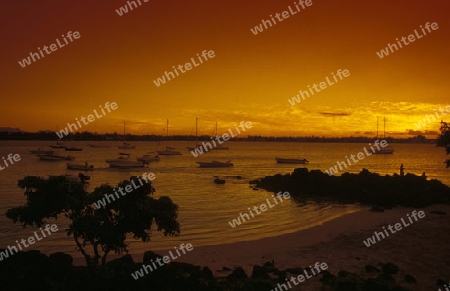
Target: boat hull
[55,158]
[79,167]
[124,164]
[215,164]
[291,161]
[169,153]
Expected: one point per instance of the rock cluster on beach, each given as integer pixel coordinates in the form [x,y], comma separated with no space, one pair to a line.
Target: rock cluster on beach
[365,187]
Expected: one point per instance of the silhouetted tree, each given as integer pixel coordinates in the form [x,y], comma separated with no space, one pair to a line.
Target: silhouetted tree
[101,230]
[443,139]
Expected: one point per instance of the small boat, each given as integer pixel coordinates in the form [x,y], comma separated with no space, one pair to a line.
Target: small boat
[73,149]
[383,151]
[386,150]
[123,161]
[220,147]
[125,145]
[58,145]
[215,164]
[81,178]
[169,151]
[291,161]
[54,157]
[80,167]
[99,146]
[41,152]
[196,137]
[152,157]
[219,181]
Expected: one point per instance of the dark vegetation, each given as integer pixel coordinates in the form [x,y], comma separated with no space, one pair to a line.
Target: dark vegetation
[33,270]
[96,232]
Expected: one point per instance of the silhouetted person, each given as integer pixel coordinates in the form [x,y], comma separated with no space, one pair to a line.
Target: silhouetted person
[424,176]
[402,172]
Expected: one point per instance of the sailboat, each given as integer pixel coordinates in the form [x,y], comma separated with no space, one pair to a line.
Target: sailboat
[196,136]
[72,148]
[219,147]
[386,150]
[169,151]
[125,146]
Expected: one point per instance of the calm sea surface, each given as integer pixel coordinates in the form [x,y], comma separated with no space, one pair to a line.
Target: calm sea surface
[206,208]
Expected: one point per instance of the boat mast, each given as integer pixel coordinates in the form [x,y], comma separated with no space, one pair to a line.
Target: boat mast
[167,131]
[377,126]
[123,132]
[196,131]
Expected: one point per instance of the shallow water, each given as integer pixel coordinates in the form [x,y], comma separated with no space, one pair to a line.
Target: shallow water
[206,208]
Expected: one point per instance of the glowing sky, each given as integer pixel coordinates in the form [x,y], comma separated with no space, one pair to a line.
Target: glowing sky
[250,78]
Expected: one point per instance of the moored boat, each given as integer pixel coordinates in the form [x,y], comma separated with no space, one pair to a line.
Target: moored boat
[73,149]
[80,178]
[148,158]
[54,157]
[126,146]
[100,146]
[215,164]
[168,151]
[123,161]
[80,167]
[58,145]
[41,152]
[383,150]
[291,161]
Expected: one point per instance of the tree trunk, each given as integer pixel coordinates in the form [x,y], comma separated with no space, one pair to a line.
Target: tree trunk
[81,249]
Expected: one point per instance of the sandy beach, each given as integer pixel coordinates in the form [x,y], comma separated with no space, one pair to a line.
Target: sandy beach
[419,249]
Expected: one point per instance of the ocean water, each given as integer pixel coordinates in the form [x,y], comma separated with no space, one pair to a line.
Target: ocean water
[205,207]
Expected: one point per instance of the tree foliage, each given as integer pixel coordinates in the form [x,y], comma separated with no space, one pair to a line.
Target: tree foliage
[96,232]
[443,140]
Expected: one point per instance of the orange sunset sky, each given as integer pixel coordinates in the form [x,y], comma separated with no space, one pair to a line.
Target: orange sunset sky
[250,78]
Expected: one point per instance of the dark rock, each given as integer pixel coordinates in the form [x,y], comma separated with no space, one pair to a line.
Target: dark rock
[371,269]
[390,269]
[259,272]
[376,208]
[237,274]
[409,279]
[438,212]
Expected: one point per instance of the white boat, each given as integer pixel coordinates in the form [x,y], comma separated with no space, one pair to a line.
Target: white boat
[215,164]
[41,152]
[80,167]
[54,157]
[125,145]
[168,151]
[386,150]
[291,161]
[152,157]
[123,161]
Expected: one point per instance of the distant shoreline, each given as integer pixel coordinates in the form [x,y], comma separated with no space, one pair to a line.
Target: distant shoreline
[87,136]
